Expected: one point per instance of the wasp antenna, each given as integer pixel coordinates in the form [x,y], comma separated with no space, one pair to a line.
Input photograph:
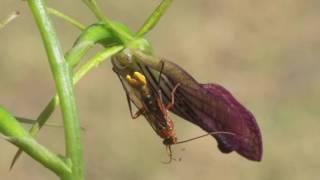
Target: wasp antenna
[211,133]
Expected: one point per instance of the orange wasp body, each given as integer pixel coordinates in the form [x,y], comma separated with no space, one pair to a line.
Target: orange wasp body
[155,111]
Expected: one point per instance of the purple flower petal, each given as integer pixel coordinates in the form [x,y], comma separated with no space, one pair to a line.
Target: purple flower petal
[234,117]
[209,106]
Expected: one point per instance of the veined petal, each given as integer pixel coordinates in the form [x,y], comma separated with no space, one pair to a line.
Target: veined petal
[209,106]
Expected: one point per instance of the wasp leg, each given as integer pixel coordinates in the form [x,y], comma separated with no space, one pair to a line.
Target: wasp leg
[133,116]
[138,113]
[170,104]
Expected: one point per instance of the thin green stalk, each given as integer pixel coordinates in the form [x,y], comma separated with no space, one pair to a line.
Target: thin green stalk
[40,121]
[82,71]
[54,102]
[88,38]
[63,79]
[119,32]
[42,155]
[92,5]
[154,18]
[66,18]
[12,131]
[32,122]
[95,61]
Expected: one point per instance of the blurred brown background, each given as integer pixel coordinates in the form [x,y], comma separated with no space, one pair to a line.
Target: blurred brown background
[265,52]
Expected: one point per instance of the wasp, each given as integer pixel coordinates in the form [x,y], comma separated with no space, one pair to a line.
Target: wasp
[154,109]
[149,101]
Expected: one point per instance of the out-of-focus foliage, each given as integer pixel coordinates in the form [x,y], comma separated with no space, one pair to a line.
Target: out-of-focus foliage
[265,52]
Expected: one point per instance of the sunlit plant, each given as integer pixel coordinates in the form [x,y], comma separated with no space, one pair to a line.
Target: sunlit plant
[154,85]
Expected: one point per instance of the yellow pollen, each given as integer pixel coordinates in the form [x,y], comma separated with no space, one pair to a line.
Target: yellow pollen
[140,77]
[137,80]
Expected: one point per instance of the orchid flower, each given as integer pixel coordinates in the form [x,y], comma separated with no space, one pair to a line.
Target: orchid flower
[209,106]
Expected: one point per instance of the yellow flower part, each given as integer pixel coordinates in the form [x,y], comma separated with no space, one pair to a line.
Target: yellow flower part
[137,80]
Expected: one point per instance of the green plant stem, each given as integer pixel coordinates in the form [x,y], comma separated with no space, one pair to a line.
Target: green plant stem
[88,38]
[42,155]
[66,18]
[96,60]
[32,121]
[83,70]
[154,18]
[17,135]
[54,102]
[119,32]
[63,80]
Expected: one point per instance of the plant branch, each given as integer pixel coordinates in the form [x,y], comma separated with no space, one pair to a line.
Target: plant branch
[17,135]
[89,37]
[54,102]
[66,18]
[153,18]
[117,30]
[63,80]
